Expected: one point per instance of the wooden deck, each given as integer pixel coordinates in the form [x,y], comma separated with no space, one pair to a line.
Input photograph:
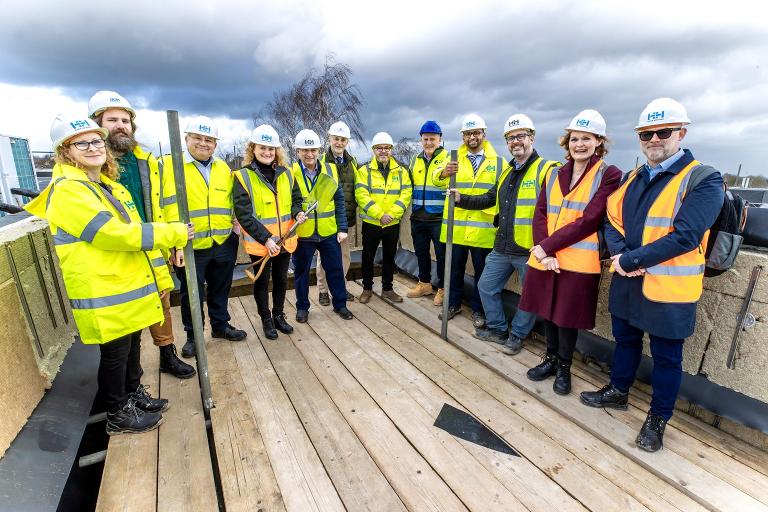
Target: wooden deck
[340,416]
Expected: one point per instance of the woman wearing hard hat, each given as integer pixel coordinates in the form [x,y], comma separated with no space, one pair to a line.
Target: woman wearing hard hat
[107,257]
[562,283]
[265,205]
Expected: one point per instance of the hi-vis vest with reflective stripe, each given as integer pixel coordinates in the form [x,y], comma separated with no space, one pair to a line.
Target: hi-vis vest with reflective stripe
[583,256]
[271,206]
[473,227]
[426,194]
[109,259]
[377,196]
[210,204]
[680,279]
[323,220]
[527,194]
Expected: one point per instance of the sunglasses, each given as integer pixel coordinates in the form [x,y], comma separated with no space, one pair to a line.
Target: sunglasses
[661,134]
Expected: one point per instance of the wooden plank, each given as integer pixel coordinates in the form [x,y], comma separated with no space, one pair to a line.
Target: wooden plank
[358,480]
[419,487]
[185,473]
[698,483]
[129,480]
[303,481]
[530,485]
[247,479]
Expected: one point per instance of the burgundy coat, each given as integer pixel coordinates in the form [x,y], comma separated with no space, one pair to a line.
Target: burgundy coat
[568,299]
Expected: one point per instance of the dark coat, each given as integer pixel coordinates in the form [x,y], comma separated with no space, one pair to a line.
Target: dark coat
[346,183]
[568,299]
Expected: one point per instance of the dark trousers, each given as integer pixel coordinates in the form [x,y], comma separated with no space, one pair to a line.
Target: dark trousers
[561,341]
[422,233]
[277,268]
[119,370]
[330,253]
[388,236]
[214,267]
[667,365]
[458,267]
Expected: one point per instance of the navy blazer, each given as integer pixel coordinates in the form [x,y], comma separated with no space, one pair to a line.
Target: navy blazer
[697,213]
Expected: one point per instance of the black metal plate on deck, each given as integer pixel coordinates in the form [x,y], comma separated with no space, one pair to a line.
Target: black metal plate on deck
[464,426]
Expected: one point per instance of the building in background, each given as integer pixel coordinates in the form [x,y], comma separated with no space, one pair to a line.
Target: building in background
[16,170]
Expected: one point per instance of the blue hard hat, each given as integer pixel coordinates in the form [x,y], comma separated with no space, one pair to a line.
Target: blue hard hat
[430,127]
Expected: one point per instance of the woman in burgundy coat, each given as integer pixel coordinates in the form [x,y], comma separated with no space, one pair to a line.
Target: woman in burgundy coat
[562,284]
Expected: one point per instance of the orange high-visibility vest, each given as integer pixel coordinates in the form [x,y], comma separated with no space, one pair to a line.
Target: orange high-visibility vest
[583,256]
[677,280]
[271,206]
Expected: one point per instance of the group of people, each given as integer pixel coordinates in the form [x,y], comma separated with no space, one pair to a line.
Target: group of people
[113,210]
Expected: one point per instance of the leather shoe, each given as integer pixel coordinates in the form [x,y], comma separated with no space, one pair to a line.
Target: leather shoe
[365,297]
[344,313]
[391,296]
[188,350]
[170,363]
[324,299]
[230,333]
[302,315]
[282,324]
[651,436]
[547,368]
[562,384]
[269,328]
[607,396]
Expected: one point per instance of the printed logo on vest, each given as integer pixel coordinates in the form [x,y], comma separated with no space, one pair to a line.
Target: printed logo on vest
[130,205]
[528,184]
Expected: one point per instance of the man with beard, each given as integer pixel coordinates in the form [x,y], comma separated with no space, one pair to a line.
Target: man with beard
[150,190]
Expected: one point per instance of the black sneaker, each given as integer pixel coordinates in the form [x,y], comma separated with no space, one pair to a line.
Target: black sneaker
[188,350]
[651,436]
[269,328]
[607,396]
[491,335]
[302,315]
[452,312]
[229,333]
[547,368]
[324,299]
[145,402]
[562,384]
[282,324]
[512,345]
[170,363]
[344,313]
[132,420]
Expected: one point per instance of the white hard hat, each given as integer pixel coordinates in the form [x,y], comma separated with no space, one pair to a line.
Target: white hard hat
[64,128]
[266,136]
[382,139]
[588,121]
[306,139]
[473,122]
[518,122]
[202,125]
[103,100]
[662,111]
[340,129]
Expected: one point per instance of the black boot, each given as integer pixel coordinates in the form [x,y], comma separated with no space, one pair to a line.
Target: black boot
[132,419]
[562,384]
[651,435]
[170,363]
[229,333]
[188,350]
[607,396]
[281,323]
[269,328]
[547,368]
[145,402]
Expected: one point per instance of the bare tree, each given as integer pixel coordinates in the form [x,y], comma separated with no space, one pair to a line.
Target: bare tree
[316,101]
[405,149]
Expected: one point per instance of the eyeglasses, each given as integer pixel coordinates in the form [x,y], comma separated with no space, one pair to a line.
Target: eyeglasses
[662,134]
[382,148]
[83,145]
[475,133]
[520,137]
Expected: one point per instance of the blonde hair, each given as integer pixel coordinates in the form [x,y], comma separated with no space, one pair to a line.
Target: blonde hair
[600,151]
[110,169]
[280,159]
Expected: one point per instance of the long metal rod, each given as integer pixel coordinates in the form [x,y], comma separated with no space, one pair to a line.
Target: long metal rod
[448,252]
[730,362]
[55,277]
[189,259]
[23,299]
[40,278]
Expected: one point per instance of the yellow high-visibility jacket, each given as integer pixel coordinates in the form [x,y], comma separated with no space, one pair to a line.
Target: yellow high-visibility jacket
[377,196]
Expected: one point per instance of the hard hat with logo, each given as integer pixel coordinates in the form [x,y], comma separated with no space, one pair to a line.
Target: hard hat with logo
[518,122]
[662,111]
[340,129]
[104,100]
[202,125]
[473,122]
[64,128]
[382,139]
[265,135]
[306,139]
[588,121]
[431,127]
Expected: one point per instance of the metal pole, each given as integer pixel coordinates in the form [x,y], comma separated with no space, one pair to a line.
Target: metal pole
[448,251]
[189,259]
[738,173]
[160,147]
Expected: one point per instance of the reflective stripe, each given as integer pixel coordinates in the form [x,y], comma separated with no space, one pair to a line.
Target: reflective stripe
[326,215]
[158,262]
[94,225]
[400,204]
[370,203]
[62,238]
[588,246]
[676,270]
[470,223]
[364,216]
[114,300]
[478,186]
[168,200]
[658,222]
[376,191]
[574,205]
[249,238]
[198,213]
[220,211]
[202,234]
[433,202]
[393,192]
[551,208]
[360,185]
[526,202]
[273,220]
[520,221]
[432,188]
[147,236]
[217,232]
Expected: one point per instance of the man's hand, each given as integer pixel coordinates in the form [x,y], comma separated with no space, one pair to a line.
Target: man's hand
[190,231]
[177,257]
[451,168]
[617,267]
[164,294]
[456,194]
[301,217]
[341,236]
[538,253]
[236,229]
[551,263]
[272,247]
[386,219]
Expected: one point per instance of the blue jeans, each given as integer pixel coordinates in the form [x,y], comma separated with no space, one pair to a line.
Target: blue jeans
[422,233]
[330,253]
[667,365]
[498,268]
[458,267]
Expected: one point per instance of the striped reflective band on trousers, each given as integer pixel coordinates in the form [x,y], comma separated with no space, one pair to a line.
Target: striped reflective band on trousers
[114,300]
[95,224]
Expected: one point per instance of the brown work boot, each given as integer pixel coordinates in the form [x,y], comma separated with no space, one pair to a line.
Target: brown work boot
[365,297]
[392,296]
[439,296]
[420,290]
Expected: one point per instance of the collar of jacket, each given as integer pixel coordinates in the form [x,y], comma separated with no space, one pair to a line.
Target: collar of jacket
[140,153]
[437,151]
[527,164]
[678,166]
